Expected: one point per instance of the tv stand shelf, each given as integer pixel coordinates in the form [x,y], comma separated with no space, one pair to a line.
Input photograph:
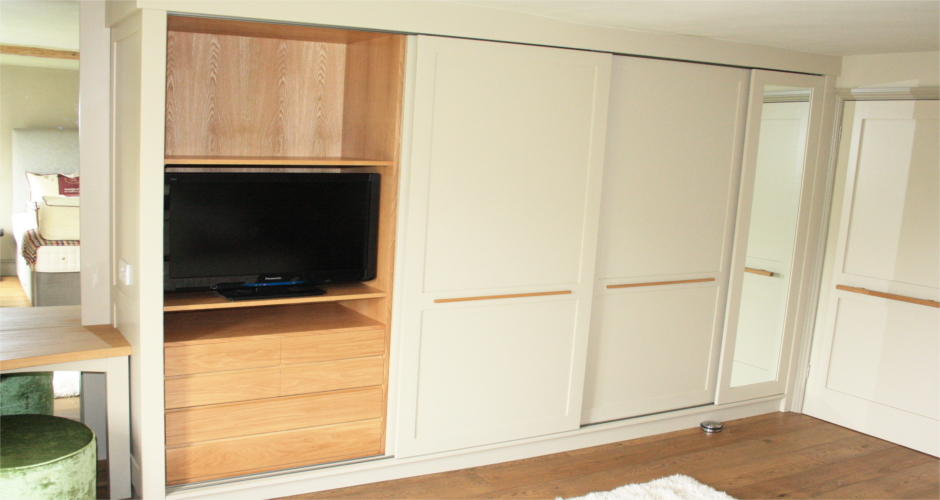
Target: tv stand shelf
[275,161]
[196,301]
[226,326]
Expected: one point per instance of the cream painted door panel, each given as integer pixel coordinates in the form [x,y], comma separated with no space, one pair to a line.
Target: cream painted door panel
[504,175]
[494,371]
[672,167]
[662,324]
[876,361]
[673,158]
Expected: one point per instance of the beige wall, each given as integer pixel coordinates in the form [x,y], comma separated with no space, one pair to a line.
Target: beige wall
[94,150]
[29,98]
[912,69]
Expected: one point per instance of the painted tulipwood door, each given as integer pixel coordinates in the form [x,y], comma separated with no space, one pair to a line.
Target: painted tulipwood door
[875,364]
[499,241]
[673,163]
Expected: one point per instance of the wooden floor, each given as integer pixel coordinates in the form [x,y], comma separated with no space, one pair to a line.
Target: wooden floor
[779,455]
[11,293]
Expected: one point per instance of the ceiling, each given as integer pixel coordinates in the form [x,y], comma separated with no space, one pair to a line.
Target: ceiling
[832,27]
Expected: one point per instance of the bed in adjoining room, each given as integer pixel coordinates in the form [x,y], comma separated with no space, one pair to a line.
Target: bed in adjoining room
[45,215]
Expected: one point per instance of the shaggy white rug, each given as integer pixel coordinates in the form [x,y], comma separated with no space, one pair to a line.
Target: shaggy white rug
[676,487]
[66,384]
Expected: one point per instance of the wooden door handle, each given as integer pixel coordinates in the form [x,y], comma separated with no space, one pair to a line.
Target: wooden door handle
[657,283]
[891,296]
[761,272]
[510,296]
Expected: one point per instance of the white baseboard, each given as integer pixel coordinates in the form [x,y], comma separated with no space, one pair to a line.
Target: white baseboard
[298,481]
[8,267]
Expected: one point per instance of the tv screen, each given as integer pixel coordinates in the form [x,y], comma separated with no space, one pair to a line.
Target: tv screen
[229,230]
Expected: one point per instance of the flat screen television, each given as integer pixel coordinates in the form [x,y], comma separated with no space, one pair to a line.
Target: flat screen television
[253,235]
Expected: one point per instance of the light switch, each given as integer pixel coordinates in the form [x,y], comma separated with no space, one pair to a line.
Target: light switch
[125,273]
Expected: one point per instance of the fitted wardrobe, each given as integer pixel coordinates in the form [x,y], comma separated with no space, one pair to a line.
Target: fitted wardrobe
[544,289]
[566,242]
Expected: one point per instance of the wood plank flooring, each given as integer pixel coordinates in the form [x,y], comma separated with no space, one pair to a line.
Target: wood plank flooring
[11,293]
[778,455]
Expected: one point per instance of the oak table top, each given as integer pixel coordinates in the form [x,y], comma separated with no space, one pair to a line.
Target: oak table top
[46,335]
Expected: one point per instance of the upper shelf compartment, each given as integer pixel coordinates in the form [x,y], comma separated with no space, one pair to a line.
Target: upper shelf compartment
[282,161]
[197,301]
[251,93]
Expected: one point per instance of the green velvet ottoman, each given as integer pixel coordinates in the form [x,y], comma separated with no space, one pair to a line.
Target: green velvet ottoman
[26,393]
[44,457]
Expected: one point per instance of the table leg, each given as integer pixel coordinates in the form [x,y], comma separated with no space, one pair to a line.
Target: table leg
[119,429]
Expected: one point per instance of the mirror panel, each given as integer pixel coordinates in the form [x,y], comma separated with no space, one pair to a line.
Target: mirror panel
[772,230]
[784,115]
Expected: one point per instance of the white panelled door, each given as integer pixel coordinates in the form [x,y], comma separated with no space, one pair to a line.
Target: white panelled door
[875,365]
[499,241]
[672,167]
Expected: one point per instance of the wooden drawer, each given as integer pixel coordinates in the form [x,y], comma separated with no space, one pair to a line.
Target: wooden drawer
[205,358]
[332,375]
[246,385]
[328,346]
[223,387]
[206,423]
[245,455]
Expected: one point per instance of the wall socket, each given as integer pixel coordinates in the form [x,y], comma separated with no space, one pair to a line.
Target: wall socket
[125,273]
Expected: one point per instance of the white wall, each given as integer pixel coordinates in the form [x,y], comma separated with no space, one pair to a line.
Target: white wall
[912,69]
[95,156]
[30,97]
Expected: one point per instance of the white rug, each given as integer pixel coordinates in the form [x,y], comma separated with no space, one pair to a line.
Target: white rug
[66,384]
[676,487]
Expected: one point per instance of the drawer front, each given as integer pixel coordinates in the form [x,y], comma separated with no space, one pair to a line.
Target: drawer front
[207,423]
[205,358]
[329,346]
[233,457]
[224,387]
[332,375]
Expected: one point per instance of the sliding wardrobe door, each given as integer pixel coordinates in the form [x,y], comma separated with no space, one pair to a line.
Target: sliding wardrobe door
[672,167]
[502,203]
[502,206]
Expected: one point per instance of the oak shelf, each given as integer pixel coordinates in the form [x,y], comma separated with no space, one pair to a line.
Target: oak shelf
[283,161]
[208,327]
[200,301]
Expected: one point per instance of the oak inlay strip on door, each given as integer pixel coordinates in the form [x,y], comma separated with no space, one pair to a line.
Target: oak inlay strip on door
[511,296]
[891,296]
[657,283]
[758,271]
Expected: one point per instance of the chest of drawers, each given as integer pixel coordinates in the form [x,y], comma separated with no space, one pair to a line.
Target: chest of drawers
[269,388]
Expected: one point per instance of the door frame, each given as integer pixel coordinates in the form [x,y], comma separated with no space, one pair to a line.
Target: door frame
[799,376]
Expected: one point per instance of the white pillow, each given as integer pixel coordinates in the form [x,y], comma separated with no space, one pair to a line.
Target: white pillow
[59,218]
[41,185]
